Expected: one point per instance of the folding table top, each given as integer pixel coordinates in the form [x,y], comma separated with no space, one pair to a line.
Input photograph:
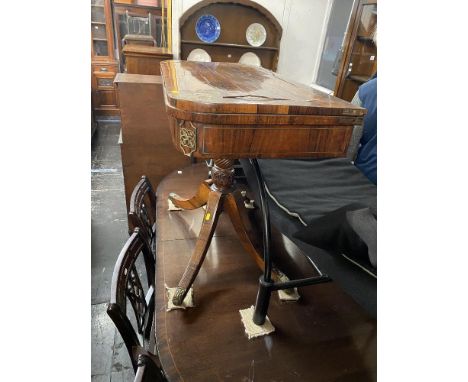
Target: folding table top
[229,110]
[230,88]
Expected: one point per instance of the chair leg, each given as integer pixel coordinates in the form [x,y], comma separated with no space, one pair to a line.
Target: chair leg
[210,219]
[197,201]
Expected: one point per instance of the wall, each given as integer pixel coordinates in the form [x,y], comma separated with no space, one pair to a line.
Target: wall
[304,24]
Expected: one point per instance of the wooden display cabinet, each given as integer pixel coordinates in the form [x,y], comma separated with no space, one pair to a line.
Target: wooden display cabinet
[103,64]
[234,18]
[359,58]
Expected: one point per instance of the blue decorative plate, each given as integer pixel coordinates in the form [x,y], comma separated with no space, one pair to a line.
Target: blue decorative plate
[208,28]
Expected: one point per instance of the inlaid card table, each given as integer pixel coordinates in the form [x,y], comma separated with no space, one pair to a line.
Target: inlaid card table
[225,111]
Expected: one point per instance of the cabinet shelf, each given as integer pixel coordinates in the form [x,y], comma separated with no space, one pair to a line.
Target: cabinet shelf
[359,78]
[232,43]
[364,39]
[229,45]
[98,22]
[99,39]
[136,6]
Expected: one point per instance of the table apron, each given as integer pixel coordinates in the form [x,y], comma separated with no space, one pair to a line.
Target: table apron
[257,141]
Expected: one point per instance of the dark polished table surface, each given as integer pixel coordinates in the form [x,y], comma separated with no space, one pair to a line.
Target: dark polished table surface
[225,110]
[325,336]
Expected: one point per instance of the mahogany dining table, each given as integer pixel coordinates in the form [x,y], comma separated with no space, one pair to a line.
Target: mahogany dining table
[325,336]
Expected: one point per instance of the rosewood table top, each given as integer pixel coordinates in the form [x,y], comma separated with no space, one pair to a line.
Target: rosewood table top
[224,88]
[228,110]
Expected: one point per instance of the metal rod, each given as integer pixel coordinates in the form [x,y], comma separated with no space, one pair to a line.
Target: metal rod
[299,282]
[265,220]
[266,286]
[262,302]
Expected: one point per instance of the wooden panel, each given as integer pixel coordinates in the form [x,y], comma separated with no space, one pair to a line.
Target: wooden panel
[104,67]
[103,80]
[104,98]
[105,83]
[144,59]
[142,65]
[146,141]
[273,141]
[325,336]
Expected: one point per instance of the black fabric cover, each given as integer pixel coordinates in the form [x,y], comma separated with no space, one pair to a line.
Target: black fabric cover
[313,188]
[364,223]
[334,233]
[359,284]
[320,193]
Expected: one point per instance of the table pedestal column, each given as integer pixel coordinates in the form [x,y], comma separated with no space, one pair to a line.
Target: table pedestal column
[218,194]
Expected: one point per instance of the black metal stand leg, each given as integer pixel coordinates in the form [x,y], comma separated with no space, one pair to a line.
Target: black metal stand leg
[264,291]
[262,302]
[266,286]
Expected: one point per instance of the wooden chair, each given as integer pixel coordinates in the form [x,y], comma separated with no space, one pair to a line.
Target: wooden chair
[149,367]
[126,284]
[138,30]
[143,210]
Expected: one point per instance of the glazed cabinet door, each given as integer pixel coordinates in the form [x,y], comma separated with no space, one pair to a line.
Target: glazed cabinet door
[359,61]
[101,30]
[103,65]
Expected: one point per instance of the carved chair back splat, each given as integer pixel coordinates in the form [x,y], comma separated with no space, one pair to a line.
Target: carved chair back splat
[126,284]
[143,210]
[149,367]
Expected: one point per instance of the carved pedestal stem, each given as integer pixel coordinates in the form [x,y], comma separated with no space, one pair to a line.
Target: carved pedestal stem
[222,195]
[222,174]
